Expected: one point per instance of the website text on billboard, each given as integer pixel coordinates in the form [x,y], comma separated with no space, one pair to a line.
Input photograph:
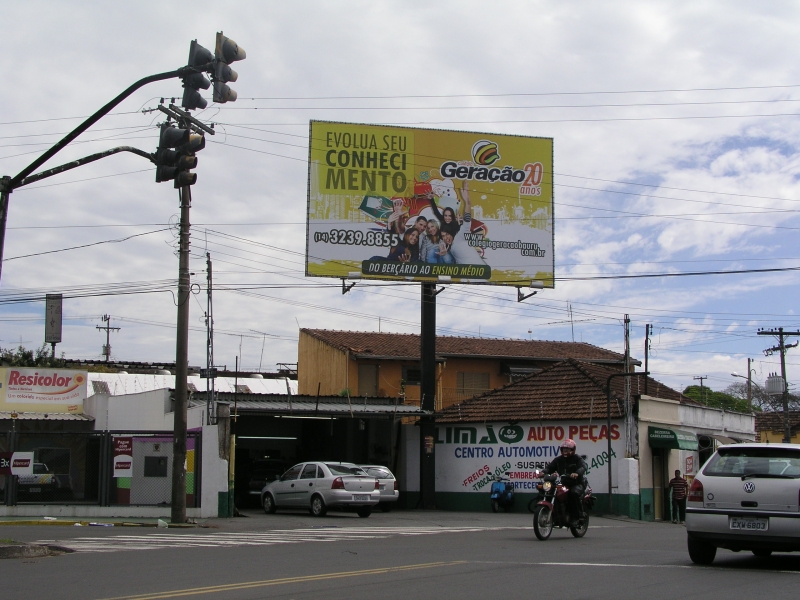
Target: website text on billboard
[418,204]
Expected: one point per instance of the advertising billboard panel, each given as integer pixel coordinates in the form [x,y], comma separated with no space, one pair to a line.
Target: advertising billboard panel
[42,390]
[417,204]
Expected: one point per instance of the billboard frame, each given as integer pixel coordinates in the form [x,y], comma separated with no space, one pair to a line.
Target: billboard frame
[360,275]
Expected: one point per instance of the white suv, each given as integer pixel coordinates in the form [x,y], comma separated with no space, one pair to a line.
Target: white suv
[747,497]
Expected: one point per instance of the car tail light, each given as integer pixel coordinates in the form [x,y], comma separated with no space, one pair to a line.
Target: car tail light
[696,491]
[395,485]
[377,484]
[337,484]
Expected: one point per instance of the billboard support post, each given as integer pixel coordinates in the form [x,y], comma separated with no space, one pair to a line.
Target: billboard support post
[427,470]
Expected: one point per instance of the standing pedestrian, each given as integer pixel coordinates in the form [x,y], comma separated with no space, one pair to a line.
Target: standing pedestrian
[679,487]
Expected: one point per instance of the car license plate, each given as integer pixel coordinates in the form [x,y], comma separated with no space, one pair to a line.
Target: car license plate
[749,524]
[32,490]
[360,497]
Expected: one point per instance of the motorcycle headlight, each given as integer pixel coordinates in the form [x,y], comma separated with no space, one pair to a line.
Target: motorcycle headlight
[547,485]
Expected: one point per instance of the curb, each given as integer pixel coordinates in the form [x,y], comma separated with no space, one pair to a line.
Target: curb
[94,524]
[31,551]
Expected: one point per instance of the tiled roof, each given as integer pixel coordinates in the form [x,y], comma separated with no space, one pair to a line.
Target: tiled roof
[773,422]
[401,345]
[570,389]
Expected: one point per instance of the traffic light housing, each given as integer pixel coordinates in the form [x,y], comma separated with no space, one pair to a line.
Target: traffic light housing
[225,52]
[187,160]
[199,57]
[175,156]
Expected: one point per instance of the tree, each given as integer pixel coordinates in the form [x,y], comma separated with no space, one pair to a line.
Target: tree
[22,357]
[761,400]
[714,399]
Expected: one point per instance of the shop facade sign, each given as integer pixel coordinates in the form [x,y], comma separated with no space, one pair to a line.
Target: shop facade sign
[123,456]
[16,463]
[42,390]
[675,439]
[469,456]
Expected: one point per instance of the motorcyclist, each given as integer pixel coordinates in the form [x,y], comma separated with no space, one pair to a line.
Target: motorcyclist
[574,467]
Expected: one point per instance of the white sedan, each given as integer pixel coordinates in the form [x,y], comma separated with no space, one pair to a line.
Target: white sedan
[747,497]
[319,486]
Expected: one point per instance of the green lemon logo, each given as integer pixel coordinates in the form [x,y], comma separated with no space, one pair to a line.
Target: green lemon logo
[511,434]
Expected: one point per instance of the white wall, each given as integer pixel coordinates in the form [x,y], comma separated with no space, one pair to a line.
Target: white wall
[214,473]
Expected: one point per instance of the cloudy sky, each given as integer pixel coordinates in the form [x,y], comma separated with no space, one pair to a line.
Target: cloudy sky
[675,128]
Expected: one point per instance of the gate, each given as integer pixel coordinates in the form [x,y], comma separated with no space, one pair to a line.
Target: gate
[78,468]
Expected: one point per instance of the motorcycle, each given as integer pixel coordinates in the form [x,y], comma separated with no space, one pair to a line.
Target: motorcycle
[551,510]
[502,493]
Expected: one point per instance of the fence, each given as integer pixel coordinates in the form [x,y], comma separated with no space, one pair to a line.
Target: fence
[78,468]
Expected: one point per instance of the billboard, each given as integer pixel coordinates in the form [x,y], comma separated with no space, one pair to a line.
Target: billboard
[418,204]
[42,390]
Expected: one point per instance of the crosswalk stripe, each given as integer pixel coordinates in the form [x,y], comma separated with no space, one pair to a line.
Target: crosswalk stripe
[153,541]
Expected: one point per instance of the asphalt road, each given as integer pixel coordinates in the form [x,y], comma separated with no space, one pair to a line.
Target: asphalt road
[404,554]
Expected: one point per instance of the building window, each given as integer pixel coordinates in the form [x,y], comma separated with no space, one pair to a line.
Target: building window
[155,466]
[471,384]
[412,375]
[368,380]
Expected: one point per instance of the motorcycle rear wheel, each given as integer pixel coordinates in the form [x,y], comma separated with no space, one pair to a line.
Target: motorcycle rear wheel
[543,522]
[583,527]
[495,506]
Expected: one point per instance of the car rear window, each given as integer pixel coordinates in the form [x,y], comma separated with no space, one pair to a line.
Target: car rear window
[345,470]
[765,462]
[380,473]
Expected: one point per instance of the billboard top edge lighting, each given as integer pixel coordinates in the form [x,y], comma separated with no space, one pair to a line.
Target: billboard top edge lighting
[413,204]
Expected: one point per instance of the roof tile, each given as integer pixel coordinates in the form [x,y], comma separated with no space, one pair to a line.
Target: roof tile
[402,345]
[570,389]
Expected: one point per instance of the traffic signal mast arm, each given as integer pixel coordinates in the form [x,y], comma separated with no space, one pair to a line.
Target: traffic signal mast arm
[84,161]
[16,181]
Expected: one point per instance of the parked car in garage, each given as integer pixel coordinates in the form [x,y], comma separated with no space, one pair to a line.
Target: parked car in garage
[747,497]
[261,473]
[322,486]
[388,485]
[43,485]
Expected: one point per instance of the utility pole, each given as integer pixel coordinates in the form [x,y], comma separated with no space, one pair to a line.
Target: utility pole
[648,329]
[702,389]
[108,329]
[749,387]
[210,370]
[782,347]
[427,467]
[626,398]
[178,512]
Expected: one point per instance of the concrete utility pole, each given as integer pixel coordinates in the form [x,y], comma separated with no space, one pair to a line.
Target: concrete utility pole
[427,456]
[702,389]
[648,330]
[782,347]
[178,513]
[108,329]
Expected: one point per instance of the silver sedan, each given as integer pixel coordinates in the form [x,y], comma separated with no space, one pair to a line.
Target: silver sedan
[745,498]
[320,486]
[388,485]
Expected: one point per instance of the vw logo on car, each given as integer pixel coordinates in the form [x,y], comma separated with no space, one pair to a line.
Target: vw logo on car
[749,487]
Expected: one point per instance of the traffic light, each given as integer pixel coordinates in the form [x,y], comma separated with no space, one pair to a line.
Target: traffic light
[226,52]
[166,157]
[176,157]
[192,84]
[186,160]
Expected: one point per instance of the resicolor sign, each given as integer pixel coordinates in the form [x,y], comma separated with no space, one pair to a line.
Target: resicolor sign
[469,456]
[42,390]
[418,204]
